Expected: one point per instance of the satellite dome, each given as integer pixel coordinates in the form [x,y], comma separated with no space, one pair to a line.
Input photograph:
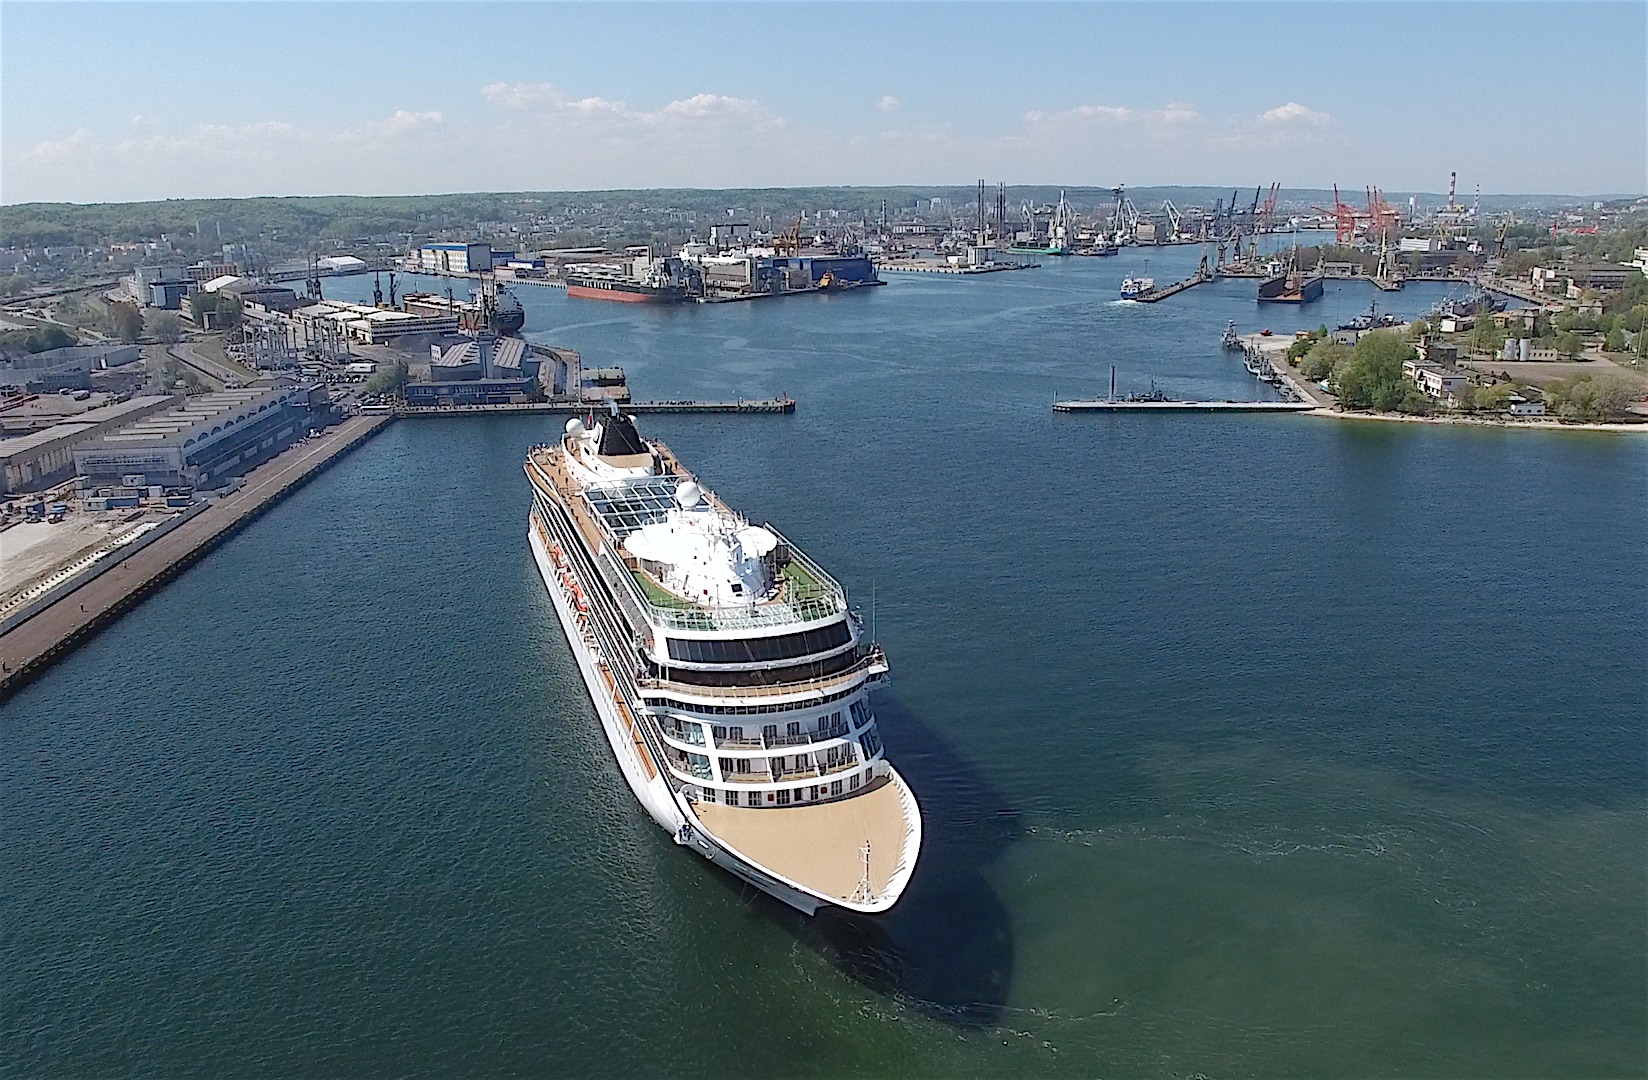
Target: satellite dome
[688,495]
[575,427]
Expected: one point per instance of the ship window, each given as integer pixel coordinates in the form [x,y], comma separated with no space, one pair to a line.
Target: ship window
[735,732]
[759,649]
[797,794]
[755,798]
[835,787]
[812,792]
[871,743]
[853,783]
[718,731]
[861,713]
[793,728]
[742,764]
[784,797]
[726,765]
[769,731]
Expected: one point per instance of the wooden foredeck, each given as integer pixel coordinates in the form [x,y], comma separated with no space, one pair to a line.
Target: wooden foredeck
[819,845]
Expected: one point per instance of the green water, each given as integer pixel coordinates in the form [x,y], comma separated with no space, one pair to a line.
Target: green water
[1248,745]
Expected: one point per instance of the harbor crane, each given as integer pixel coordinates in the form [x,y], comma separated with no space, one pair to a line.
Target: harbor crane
[1124,220]
[1175,220]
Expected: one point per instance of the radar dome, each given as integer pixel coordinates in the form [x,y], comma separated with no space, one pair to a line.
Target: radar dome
[688,495]
[575,427]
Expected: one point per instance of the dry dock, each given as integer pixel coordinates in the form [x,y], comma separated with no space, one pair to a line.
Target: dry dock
[29,647]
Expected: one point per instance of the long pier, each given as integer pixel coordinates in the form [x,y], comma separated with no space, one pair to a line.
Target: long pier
[79,611]
[1104,405]
[1157,295]
[756,405]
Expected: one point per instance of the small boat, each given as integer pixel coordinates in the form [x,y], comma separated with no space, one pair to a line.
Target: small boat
[1229,338]
[1133,288]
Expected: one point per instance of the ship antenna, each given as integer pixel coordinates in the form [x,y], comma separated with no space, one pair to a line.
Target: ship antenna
[864,892]
[872,611]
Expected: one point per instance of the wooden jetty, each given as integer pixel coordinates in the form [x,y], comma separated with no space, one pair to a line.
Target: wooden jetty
[1104,405]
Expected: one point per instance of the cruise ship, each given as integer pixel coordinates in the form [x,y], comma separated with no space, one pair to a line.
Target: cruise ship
[730,676]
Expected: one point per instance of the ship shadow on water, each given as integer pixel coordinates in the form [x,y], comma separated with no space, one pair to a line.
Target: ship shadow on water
[946,948]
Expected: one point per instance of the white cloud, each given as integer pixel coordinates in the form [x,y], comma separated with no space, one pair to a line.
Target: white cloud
[703,106]
[545,97]
[889,103]
[1082,113]
[1175,114]
[1295,113]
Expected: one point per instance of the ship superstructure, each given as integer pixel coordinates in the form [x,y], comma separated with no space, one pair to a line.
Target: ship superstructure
[730,675]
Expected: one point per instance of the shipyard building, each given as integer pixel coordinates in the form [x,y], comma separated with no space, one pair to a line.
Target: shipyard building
[204,442]
[487,370]
[39,459]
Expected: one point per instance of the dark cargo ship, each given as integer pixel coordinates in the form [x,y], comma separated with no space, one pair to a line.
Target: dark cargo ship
[505,318]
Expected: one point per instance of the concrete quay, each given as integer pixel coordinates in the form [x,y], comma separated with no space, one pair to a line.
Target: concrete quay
[32,645]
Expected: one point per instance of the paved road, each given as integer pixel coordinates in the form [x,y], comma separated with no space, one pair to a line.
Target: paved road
[186,353]
[81,610]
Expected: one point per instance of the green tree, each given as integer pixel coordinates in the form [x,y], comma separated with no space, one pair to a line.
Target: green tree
[1494,398]
[125,321]
[1615,342]
[387,380]
[1569,345]
[1371,376]
[1592,397]
[168,327]
[1320,362]
[1418,329]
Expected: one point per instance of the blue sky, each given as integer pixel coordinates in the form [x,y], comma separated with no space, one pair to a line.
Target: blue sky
[139,101]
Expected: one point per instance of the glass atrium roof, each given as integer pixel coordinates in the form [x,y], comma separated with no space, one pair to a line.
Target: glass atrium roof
[627,506]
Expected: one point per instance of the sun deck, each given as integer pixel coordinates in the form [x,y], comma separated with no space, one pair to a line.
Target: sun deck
[820,846]
[611,512]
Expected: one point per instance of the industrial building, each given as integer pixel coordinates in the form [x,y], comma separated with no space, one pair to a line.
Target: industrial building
[327,321]
[204,442]
[40,459]
[487,370]
[68,368]
[455,258]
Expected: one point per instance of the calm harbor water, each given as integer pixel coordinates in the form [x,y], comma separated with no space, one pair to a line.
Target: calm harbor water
[1248,745]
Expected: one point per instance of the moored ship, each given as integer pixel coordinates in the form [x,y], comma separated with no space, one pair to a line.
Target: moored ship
[642,280]
[731,679]
[498,311]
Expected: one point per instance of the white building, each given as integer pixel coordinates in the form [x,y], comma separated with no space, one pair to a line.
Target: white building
[1435,381]
[454,258]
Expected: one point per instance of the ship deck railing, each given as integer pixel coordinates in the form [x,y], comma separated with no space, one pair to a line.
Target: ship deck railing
[808,595]
[872,658]
[787,776]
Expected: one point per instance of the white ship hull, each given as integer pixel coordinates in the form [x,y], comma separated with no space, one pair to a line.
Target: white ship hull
[652,792]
